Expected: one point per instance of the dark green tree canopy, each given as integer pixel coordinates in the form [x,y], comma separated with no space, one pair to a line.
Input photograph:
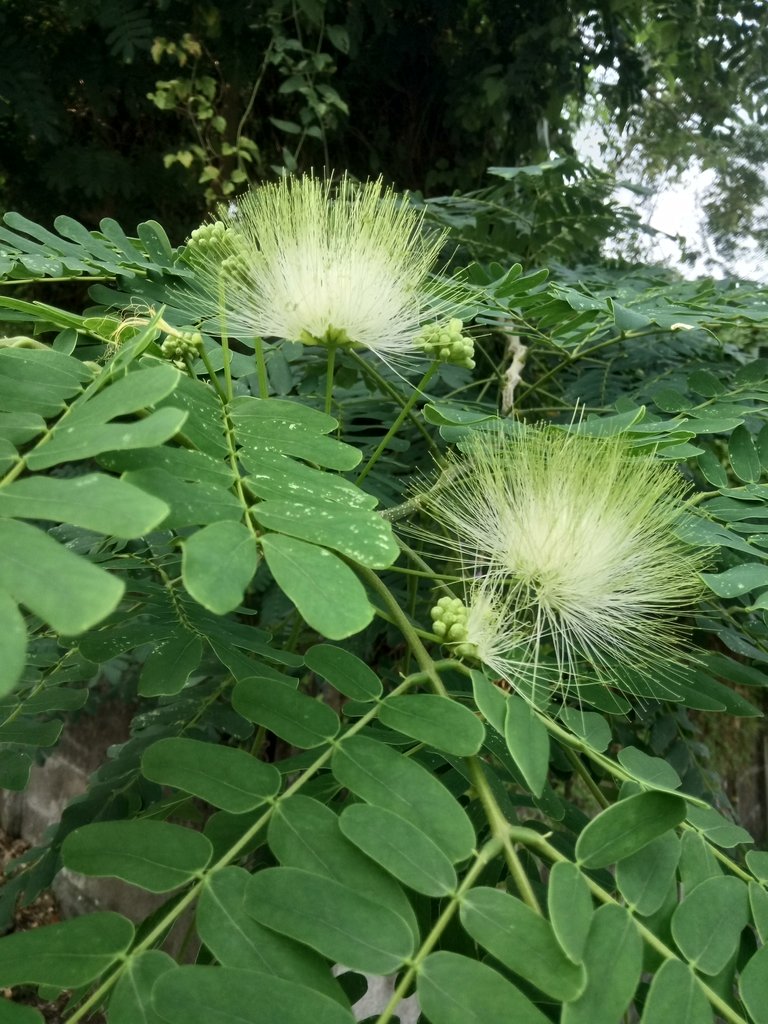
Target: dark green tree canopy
[159,107]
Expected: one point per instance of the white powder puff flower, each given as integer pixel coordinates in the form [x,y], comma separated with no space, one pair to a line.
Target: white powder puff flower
[302,261]
[569,543]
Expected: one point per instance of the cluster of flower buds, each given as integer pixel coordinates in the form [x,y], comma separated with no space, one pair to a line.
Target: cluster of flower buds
[219,245]
[446,343]
[207,237]
[179,346]
[449,622]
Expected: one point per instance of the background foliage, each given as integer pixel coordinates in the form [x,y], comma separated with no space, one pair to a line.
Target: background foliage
[157,107]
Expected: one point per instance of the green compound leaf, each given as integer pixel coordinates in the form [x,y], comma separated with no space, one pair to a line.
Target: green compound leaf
[272,476]
[453,989]
[704,382]
[385,778]
[707,925]
[758,903]
[15,767]
[697,861]
[94,502]
[401,848]
[31,732]
[676,995]
[644,878]
[226,777]
[170,664]
[522,940]
[39,381]
[8,455]
[716,828]
[591,727]
[66,591]
[292,716]
[613,940]
[87,429]
[190,503]
[277,418]
[437,721]
[137,390]
[757,862]
[182,463]
[490,700]
[89,439]
[712,469]
[570,908]
[303,833]
[738,581]
[237,940]
[226,995]
[131,1000]
[753,986]
[628,826]
[13,644]
[291,428]
[361,535]
[528,743]
[339,922]
[650,771]
[326,592]
[154,855]
[745,460]
[218,563]
[64,955]
[344,671]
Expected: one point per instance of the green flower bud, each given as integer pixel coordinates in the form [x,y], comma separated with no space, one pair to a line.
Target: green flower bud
[181,345]
[207,236]
[449,622]
[446,343]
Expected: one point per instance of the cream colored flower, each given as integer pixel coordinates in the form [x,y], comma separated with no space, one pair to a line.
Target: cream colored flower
[570,549]
[302,261]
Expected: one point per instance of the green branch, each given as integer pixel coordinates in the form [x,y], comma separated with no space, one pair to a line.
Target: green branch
[482,859]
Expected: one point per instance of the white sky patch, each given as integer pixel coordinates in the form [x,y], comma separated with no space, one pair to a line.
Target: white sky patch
[676,209]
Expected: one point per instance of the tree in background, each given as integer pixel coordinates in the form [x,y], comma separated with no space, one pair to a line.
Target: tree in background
[161,107]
